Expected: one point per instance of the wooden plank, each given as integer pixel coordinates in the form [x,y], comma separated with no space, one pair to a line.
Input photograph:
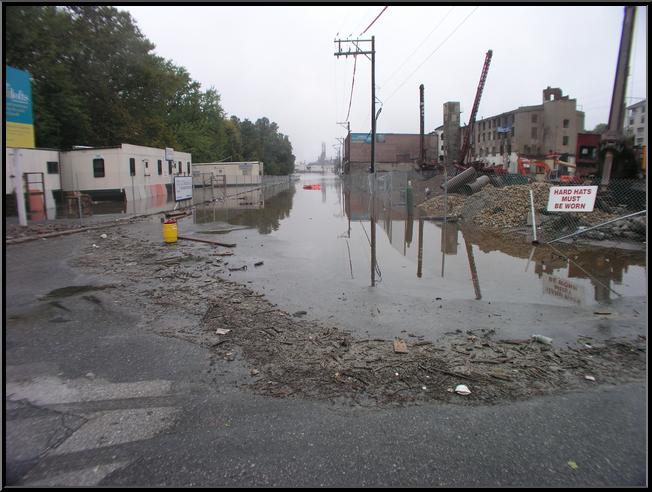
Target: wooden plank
[400,347]
[226,245]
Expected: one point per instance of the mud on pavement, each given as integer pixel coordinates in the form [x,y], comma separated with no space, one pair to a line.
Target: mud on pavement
[183,291]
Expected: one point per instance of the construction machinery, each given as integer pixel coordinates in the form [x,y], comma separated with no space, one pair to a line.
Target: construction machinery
[555,173]
[466,145]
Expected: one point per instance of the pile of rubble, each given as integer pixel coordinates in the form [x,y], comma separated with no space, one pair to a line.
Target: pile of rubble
[509,208]
[436,206]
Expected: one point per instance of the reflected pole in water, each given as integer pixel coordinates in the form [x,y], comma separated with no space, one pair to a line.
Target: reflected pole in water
[420,253]
[373,230]
[443,232]
[443,246]
[474,272]
[534,248]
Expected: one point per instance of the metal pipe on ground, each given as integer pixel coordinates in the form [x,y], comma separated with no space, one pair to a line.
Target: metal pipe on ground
[457,181]
[476,185]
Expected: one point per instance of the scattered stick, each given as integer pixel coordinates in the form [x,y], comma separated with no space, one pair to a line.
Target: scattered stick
[199,240]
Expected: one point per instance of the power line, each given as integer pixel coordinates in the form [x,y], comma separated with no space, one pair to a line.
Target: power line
[355,63]
[420,45]
[372,22]
[435,50]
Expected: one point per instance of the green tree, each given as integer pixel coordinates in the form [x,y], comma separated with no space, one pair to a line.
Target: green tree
[97,82]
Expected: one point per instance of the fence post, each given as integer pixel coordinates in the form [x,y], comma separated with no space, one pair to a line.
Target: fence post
[534,220]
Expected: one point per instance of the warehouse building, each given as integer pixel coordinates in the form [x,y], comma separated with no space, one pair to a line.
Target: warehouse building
[529,131]
[393,151]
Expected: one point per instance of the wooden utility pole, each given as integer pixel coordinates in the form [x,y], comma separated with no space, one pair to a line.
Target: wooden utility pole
[371,52]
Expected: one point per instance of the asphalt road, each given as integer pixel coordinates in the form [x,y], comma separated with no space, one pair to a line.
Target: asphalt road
[93,398]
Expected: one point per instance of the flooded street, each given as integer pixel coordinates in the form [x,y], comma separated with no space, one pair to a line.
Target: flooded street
[316,249]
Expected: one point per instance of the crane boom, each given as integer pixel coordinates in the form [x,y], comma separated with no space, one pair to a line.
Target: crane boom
[474,111]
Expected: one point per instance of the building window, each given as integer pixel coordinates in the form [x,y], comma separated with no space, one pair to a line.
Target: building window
[53,167]
[642,119]
[188,167]
[160,168]
[564,140]
[98,168]
[534,118]
[631,122]
[132,166]
[170,168]
[566,123]
[179,167]
[534,132]
[494,135]
[513,130]
[493,150]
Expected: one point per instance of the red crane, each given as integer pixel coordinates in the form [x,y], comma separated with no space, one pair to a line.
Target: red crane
[474,111]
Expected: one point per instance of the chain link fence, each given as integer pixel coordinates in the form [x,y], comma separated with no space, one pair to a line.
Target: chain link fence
[503,203]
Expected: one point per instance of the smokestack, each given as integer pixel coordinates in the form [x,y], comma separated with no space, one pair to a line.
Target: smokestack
[421,142]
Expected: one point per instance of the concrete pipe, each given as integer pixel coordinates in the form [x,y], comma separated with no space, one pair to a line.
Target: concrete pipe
[457,181]
[476,186]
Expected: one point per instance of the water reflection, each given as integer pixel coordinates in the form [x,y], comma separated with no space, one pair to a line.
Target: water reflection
[565,273]
[263,209]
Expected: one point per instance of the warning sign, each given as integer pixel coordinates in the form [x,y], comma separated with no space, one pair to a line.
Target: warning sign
[572,198]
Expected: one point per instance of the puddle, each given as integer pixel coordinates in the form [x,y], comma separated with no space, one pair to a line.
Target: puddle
[73,290]
[318,243]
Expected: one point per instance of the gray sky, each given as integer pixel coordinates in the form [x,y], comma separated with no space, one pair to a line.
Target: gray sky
[278,61]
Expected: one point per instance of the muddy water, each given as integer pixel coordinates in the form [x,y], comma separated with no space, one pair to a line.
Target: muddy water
[313,238]
[315,246]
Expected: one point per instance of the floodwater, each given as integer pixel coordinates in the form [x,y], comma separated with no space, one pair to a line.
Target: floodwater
[319,243]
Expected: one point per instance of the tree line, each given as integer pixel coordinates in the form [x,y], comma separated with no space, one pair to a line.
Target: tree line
[97,82]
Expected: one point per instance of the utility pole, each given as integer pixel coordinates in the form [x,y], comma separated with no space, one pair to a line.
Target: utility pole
[422,152]
[613,136]
[371,52]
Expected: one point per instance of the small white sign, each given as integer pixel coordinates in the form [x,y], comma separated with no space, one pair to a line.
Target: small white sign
[182,188]
[169,154]
[572,198]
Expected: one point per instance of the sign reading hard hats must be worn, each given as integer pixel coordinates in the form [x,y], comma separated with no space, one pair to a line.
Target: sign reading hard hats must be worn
[182,188]
[572,198]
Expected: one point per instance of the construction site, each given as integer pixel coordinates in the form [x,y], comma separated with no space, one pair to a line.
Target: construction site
[474,292]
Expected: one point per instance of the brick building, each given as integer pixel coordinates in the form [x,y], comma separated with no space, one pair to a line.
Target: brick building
[529,131]
[393,151]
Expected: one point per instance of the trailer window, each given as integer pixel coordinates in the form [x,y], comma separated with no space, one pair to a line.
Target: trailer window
[160,168]
[53,167]
[98,168]
[170,168]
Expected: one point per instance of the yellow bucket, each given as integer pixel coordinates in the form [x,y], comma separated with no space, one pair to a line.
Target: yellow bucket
[170,231]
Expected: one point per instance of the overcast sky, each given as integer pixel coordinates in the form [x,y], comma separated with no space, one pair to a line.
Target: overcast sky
[278,61]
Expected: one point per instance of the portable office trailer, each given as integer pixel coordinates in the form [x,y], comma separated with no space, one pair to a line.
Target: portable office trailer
[129,172]
[41,181]
[228,173]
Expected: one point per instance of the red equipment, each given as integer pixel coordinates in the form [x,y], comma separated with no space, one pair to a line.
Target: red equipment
[474,111]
